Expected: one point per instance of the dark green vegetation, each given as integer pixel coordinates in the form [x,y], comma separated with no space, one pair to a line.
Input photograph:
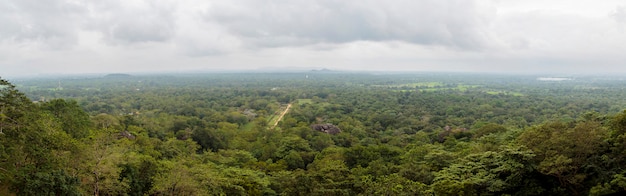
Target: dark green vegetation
[420,134]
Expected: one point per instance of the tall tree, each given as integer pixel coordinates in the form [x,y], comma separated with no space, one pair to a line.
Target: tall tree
[32,147]
[74,120]
[567,152]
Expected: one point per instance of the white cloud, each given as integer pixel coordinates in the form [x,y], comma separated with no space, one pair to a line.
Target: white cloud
[619,14]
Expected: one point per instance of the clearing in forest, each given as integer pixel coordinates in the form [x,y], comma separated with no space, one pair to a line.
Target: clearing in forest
[274,121]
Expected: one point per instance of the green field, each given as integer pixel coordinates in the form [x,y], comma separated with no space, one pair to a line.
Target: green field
[275,117]
[505,93]
[272,119]
[433,86]
[417,85]
[304,101]
[247,127]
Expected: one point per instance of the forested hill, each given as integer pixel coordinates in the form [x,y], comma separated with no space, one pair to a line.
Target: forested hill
[393,134]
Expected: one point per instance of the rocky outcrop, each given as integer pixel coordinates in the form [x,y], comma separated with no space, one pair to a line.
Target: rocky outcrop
[326,128]
[126,134]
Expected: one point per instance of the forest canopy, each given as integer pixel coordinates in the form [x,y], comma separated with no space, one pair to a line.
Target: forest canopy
[270,134]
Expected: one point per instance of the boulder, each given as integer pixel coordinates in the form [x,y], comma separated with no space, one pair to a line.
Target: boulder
[326,128]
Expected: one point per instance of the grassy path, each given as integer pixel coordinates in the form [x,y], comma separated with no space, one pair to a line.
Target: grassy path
[281,116]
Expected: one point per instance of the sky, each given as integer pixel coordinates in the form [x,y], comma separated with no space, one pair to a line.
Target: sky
[129,36]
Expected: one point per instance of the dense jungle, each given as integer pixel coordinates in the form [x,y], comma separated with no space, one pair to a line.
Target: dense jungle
[313,133]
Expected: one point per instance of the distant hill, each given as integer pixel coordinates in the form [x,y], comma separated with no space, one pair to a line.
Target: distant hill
[117,75]
[321,70]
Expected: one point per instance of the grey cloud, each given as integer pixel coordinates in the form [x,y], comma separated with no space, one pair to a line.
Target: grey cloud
[539,33]
[456,23]
[49,22]
[56,23]
[52,35]
[124,23]
[229,25]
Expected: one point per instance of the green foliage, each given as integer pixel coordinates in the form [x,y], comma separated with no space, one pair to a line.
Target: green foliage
[392,185]
[401,135]
[73,119]
[212,140]
[616,185]
[294,160]
[290,144]
[33,148]
[139,175]
[178,178]
[489,129]
[330,177]
[619,123]
[56,182]
[173,148]
[568,152]
[497,173]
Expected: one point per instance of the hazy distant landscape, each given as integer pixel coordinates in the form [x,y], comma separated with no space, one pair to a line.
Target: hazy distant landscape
[248,97]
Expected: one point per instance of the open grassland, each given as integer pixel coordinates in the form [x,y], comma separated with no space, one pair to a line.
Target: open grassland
[438,86]
[304,101]
[273,119]
[432,86]
[247,127]
[517,94]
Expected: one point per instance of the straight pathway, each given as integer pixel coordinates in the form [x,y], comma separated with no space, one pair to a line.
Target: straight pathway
[281,116]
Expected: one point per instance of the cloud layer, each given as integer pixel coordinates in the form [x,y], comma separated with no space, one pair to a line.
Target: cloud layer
[68,36]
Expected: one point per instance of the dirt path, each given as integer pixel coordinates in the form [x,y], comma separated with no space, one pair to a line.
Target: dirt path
[281,116]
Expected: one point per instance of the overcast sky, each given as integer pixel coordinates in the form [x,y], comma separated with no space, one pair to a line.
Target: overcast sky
[74,36]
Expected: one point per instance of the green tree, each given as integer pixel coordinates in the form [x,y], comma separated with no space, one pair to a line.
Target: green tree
[330,177]
[508,171]
[360,156]
[139,175]
[33,148]
[212,140]
[488,129]
[74,120]
[571,153]
[177,178]
[292,143]
[101,164]
[294,160]
[393,184]
[55,182]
